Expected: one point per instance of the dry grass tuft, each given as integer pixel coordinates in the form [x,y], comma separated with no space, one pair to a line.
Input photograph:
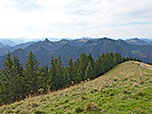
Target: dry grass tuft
[91,107]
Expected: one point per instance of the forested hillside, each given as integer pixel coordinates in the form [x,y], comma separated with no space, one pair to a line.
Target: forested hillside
[17,82]
[126,89]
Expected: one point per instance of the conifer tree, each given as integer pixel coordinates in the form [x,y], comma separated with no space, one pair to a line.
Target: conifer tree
[58,80]
[82,66]
[56,74]
[17,72]
[103,56]
[91,59]
[52,75]
[69,74]
[31,74]
[43,77]
[109,61]
[99,67]
[11,79]
[77,75]
[6,93]
[117,58]
[90,70]
[89,73]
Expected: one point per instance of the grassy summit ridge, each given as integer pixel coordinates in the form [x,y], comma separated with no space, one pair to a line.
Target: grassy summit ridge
[126,89]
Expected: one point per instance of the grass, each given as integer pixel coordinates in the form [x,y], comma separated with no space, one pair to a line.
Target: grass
[126,89]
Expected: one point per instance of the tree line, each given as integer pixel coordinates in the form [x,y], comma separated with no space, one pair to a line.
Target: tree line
[17,82]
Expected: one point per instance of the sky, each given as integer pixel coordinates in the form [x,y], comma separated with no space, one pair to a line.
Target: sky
[75,18]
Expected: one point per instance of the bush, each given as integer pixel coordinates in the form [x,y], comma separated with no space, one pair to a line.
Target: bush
[140,94]
[33,105]
[78,110]
[91,107]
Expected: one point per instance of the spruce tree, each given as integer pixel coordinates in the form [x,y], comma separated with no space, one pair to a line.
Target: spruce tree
[11,80]
[6,93]
[52,75]
[99,66]
[91,59]
[89,73]
[17,72]
[77,71]
[31,74]
[56,74]
[69,75]
[103,56]
[117,58]
[82,66]
[58,80]
[43,77]
[91,66]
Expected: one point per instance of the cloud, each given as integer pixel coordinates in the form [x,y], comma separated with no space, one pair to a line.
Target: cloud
[75,18]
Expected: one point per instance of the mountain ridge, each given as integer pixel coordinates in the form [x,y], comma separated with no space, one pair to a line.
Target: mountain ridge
[73,48]
[137,41]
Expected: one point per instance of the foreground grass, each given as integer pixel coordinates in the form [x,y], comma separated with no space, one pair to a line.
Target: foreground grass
[126,89]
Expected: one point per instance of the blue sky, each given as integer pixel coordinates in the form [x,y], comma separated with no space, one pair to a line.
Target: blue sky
[75,18]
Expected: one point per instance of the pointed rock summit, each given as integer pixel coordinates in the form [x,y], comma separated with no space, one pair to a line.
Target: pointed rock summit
[46,40]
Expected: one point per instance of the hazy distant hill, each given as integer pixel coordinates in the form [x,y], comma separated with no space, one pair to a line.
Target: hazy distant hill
[4,50]
[136,41]
[7,42]
[46,49]
[147,40]
[2,45]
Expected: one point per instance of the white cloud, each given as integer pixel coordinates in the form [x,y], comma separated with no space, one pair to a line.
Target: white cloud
[56,3]
[75,18]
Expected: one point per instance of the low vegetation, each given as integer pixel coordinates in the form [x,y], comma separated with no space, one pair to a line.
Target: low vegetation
[126,89]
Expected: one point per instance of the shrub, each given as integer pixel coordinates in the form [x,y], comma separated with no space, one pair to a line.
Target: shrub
[34,105]
[91,107]
[78,110]
[140,94]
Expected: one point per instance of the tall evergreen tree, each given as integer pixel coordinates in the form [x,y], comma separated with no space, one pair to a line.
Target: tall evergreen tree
[90,70]
[52,75]
[109,61]
[70,74]
[43,77]
[99,66]
[59,74]
[91,59]
[117,58]
[17,71]
[77,75]
[82,66]
[89,73]
[11,79]
[103,56]
[6,93]
[56,74]
[31,74]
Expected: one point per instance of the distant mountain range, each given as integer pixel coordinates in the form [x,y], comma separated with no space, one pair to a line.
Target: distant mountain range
[5,48]
[2,45]
[7,42]
[136,41]
[46,49]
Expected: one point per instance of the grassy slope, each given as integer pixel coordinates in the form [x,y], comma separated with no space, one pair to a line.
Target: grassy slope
[126,89]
